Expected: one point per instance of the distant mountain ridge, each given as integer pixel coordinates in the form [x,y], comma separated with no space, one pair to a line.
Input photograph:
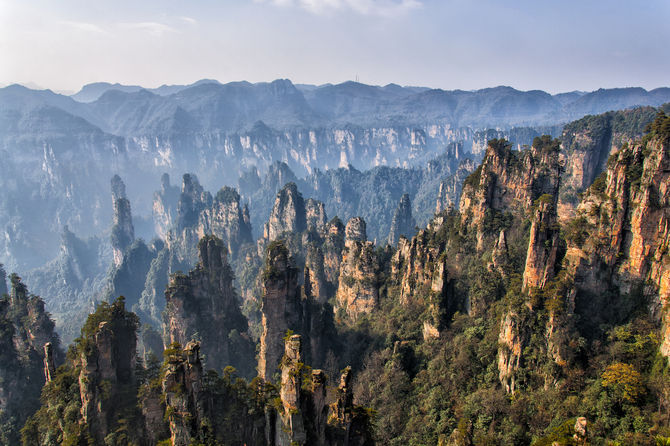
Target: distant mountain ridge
[237,106]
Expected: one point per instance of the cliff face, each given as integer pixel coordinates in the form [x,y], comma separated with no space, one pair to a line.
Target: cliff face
[542,245]
[620,234]
[419,269]
[198,214]
[123,232]
[509,181]
[511,341]
[588,142]
[281,307]
[332,250]
[204,302]
[403,222]
[357,291]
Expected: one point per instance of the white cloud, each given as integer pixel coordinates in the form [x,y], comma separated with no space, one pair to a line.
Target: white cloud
[154,28]
[189,20]
[83,26]
[386,8]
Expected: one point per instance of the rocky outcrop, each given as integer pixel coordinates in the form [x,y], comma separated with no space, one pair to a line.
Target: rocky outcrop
[588,142]
[332,248]
[542,244]
[500,255]
[184,394]
[315,215]
[510,345]
[357,291]
[449,194]
[621,233]
[198,214]
[123,232]
[291,425]
[152,300]
[204,304]
[288,213]
[509,181]
[355,231]
[281,307]
[315,275]
[164,207]
[305,417]
[128,278]
[420,270]
[403,223]
[107,369]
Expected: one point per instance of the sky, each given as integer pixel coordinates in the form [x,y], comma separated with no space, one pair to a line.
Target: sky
[552,45]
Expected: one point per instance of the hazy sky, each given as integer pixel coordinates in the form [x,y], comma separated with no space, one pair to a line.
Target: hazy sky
[554,45]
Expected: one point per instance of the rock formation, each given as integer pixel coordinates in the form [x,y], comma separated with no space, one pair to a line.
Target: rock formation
[355,231]
[315,275]
[165,207]
[542,245]
[128,277]
[123,232]
[184,394]
[332,250]
[304,417]
[449,194]
[198,214]
[315,213]
[107,369]
[281,307]
[204,304]
[291,425]
[403,222]
[509,181]
[357,291]
[621,233]
[288,213]
[27,331]
[420,269]
[500,255]
[586,145]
